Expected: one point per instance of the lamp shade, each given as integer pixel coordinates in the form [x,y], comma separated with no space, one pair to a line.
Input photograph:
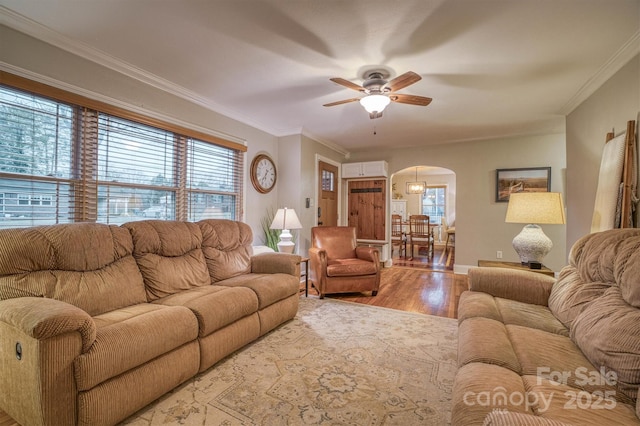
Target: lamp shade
[375,103]
[536,207]
[532,208]
[286,219]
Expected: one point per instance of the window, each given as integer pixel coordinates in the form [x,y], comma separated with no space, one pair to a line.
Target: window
[61,162]
[434,204]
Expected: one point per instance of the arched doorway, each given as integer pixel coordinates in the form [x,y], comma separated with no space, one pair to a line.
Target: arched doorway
[438,201]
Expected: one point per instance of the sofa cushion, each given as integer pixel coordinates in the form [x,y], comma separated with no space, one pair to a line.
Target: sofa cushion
[529,315]
[509,418]
[594,255]
[87,265]
[570,295]
[169,255]
[477,304]
[227,248]
[627,270]
[608,332]
[556,357]
[270,288]
[480,388]
[214,306]
[487,341]
[129,337]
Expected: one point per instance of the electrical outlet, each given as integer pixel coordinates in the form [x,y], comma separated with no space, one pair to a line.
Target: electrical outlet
[499,254]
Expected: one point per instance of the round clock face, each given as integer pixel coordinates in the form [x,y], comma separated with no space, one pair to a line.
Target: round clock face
[263,173]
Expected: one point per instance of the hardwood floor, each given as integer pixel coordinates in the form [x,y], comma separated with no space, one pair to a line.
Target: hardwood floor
[417,288]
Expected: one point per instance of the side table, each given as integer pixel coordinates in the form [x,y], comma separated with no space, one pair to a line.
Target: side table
[306,275]
[515,265]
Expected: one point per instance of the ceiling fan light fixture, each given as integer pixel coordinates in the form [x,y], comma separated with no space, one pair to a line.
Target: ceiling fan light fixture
[375,103]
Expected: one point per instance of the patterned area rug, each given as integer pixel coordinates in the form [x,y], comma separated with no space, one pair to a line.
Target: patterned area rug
[336,363]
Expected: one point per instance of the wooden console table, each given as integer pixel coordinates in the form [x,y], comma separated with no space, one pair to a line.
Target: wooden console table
[515,265]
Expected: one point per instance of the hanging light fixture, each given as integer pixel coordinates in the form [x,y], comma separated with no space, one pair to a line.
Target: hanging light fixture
[375,103]
[416,187]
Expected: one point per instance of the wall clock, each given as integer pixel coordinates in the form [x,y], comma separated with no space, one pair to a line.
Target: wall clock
[263,173]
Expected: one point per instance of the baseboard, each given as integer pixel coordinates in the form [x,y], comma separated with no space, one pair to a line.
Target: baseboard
[462,269]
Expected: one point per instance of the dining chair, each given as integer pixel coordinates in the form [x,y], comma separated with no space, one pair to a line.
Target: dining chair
[450,231]
[398,236]
[421,233]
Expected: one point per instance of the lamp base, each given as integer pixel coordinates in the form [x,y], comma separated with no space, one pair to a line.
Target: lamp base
[285,245]
[531,244]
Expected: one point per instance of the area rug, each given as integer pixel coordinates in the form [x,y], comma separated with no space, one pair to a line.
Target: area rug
[336,363]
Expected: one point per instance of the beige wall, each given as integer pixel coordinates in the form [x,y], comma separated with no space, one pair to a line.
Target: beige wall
[610,107]
[480,226]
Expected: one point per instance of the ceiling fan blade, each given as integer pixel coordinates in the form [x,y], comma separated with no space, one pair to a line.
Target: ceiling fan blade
[411,99]
[346,101]
[402,81]
[347,84]
[375,114]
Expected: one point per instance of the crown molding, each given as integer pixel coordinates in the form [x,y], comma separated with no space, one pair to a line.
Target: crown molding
[619,59]
[43,33]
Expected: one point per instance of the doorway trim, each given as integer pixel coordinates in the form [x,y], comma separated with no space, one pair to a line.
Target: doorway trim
[316,183]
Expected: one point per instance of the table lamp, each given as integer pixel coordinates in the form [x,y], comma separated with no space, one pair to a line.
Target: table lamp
[534,208]
[286,219]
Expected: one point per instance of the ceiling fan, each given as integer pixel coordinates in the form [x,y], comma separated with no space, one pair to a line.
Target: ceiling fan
[379,91]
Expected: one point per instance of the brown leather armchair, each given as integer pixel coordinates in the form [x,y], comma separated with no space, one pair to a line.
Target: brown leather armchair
[338,265]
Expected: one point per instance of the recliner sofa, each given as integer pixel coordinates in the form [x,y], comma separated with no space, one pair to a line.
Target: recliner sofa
[97,321]
[533,350]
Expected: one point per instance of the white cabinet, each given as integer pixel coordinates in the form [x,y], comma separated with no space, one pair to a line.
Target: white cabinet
[399,207]
[365,169]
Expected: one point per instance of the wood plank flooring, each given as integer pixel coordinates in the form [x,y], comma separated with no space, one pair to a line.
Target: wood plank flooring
[424,286]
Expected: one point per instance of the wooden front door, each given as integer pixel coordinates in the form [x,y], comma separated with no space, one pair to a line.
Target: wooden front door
[328,194]
[367,200]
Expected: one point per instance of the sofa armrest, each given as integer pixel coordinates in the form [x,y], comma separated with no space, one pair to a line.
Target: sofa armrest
[276,263]
[40,339]
[522,286]
[42,318]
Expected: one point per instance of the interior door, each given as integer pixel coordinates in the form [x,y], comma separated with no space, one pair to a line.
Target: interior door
[367,208]
[328,194]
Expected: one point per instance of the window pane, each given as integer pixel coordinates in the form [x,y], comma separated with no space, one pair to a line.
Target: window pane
[211,206]
[35,135]
[119,204]
[434,204]
[31,203]
[213,181]
[129,152]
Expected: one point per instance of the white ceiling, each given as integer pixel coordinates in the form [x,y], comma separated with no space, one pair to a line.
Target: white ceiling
[494,68]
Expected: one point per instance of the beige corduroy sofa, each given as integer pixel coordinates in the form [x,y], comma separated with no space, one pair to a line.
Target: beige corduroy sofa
[538,351]
[97,321]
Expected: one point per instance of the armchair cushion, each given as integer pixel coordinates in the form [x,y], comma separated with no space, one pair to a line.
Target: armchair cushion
[350,267]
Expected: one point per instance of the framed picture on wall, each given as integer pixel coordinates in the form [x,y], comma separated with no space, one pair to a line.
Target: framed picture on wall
[532,179]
